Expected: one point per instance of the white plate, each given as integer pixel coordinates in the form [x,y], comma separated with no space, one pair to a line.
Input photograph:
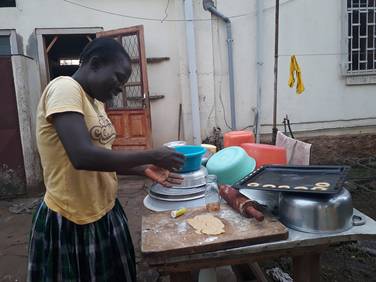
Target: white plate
[158,205]
[175,198]
[158,189]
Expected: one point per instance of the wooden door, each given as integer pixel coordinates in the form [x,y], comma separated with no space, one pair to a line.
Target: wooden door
[130,111]
[12,170]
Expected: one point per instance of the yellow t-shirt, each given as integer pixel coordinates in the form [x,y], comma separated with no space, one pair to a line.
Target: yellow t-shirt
[81,196]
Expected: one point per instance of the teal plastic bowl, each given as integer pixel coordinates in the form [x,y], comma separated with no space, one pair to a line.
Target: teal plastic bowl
[193,155]
[230,165]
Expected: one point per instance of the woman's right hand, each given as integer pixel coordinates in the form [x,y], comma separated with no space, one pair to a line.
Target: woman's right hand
[168,158]
[163,176]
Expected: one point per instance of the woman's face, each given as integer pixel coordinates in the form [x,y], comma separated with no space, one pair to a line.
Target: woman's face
[107,79]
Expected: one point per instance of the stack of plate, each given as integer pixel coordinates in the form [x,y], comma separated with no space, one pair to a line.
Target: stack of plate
[189,193]
[160,192]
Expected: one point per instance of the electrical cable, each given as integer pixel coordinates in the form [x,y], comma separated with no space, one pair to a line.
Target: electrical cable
[164,19]
[166,15]
[220,83]
[145,18]
[183,20]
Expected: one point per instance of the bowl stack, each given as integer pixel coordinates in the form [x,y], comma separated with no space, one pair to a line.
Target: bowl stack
[190,192]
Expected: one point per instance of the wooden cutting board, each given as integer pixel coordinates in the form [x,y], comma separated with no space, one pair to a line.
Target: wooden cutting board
[162,234]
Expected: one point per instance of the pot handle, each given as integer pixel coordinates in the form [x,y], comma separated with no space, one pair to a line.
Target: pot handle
[358,220]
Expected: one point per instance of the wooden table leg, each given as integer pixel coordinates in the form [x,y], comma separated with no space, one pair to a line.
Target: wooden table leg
[307,267]
[181,277]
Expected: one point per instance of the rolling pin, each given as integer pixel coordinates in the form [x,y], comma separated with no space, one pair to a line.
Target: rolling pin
[240,203]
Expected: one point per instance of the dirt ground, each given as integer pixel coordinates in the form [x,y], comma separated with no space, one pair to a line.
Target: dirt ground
[355,261]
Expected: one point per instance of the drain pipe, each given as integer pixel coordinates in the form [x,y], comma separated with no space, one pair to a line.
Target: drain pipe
[259,21]
[209,6]
[192,68]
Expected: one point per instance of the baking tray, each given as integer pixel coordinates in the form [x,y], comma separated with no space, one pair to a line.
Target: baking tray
[284,178]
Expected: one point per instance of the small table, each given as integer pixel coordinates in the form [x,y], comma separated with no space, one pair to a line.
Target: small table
[304,248]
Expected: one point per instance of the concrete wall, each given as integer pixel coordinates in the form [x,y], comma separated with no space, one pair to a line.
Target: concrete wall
[306,28]
[161,41]
[27,87]
[314,27]
[318,35]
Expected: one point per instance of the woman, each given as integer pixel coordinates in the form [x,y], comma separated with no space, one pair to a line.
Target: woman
[80,232]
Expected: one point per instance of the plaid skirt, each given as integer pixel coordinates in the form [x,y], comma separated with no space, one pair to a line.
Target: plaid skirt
[60,250]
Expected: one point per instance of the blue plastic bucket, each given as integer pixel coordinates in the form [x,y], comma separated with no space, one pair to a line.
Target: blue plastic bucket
[193,155]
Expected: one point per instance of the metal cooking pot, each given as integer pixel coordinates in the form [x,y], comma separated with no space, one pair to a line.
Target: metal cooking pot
[318,213]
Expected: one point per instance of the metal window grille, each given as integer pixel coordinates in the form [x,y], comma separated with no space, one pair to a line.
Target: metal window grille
[5,48]
[7,3]
[361,22]
[132,96]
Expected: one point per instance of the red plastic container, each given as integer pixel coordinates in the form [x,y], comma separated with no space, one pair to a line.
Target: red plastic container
[265,154]
[236,138]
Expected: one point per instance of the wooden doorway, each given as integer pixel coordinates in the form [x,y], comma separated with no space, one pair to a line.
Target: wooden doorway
[59,50]
[12,169]
[130,111]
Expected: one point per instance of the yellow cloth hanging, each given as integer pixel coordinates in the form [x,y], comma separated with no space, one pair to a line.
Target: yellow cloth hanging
[294,67]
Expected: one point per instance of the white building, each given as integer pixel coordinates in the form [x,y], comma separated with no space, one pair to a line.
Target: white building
[340,91]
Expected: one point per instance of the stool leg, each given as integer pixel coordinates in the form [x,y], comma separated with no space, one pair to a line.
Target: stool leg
[181,277]
[307,268]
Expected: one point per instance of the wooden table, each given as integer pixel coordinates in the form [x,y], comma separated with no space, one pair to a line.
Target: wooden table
[304,248]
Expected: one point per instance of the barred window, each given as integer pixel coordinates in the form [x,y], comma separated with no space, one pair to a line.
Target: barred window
[361,36]
[7,3]
[5,48]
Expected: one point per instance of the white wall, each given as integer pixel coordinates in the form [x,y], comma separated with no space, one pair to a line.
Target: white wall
[161,41]
[315,27]
[306,27]
[244,32]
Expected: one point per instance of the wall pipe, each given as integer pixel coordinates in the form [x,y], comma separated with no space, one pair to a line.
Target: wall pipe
[209,6]
[192,67]
[259,19]
[275,129]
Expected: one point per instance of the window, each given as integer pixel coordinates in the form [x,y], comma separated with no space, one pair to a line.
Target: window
[361,34]
[5,48]
[7,3]
[69,62]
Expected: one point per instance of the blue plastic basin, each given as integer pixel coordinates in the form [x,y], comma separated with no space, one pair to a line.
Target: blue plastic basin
[230,165]
[193,155]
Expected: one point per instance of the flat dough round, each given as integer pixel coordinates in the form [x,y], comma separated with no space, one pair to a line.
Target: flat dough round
[253,184]
[284,186]
[301,188]
[268,186]
[320,188]
[207,224]
[322,184]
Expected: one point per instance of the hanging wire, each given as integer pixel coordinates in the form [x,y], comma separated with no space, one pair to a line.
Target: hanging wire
[166,15]
[220,83]
[316,54]
[145,18]
[165,19]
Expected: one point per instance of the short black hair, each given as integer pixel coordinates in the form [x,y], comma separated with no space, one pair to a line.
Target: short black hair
[107,49]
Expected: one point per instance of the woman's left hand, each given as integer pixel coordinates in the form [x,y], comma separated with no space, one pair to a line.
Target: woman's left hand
[163,176]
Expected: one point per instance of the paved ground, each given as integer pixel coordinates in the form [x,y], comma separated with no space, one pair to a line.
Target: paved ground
[340,263]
